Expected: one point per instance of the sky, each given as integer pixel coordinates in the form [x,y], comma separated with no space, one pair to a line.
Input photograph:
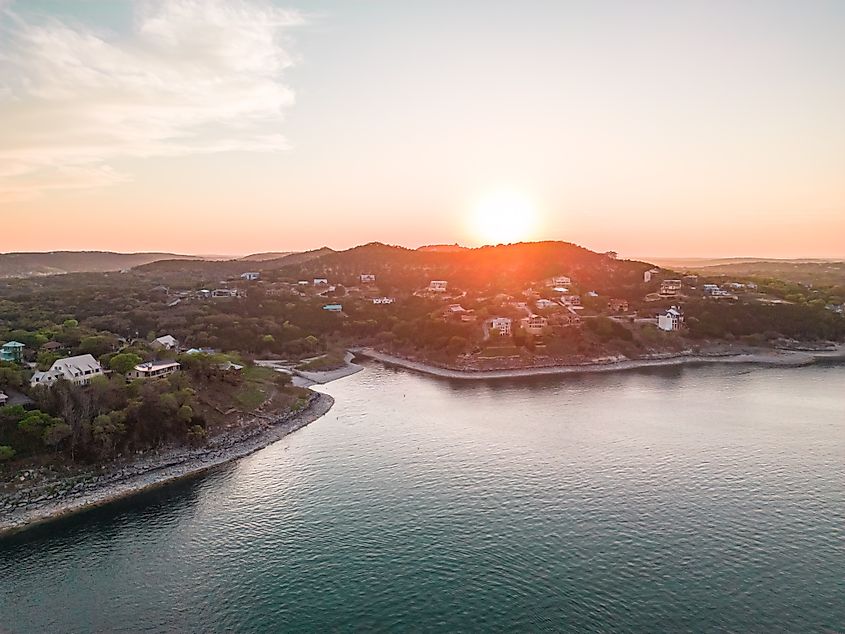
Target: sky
[696,129]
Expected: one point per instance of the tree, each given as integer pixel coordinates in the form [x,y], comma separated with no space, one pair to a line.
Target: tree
[6,453]
[124,362]
[56,433]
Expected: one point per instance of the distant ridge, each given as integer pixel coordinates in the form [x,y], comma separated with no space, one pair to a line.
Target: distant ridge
[263,257]
[442,248]
[28,264]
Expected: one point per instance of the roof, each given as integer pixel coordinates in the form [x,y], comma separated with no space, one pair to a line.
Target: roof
[672,312]
[14,344]
[151,366]
[167,340]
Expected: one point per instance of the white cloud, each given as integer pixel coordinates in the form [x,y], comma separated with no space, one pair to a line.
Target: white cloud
[193,76]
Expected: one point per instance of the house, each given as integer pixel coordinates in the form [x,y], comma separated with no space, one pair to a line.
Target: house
[250,276]
[204,293]
[3,399]
[201,351]
[534,324]
[592,294]
[302,283]
[321,281]
[502,325]
[564,318]
[560,280]
[224,292]
[52,346]
[542,304]
[670,319]
[165,342]
[670,288]
[618,305]
[333,308]
[455,309]
[710,289]
[383,300]
[570,300]
[78,370]
[12,351]
[438,286]
[228,366]
[175,302]
[650,274]
[153,370]
[690,280]
[368,278]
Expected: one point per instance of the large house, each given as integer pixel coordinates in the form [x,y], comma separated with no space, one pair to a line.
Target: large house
[12,351]
[570,300]
[670,319]
[534,324]
[438,286]
[78,370]
[670,287]
[165,342]
[153,370]
[502,325]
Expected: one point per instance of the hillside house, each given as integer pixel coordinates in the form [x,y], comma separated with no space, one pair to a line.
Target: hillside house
[670,288]
[502,325]
[321,281]
[165,342]
[438,286]
[12,351]
[534,324]
[570,300]
[647,275]
[3,399]
[670,319]
[543,304]
[368,278]
[560,280]
[383,300]
[224,292]
[78,370]
[52,346]
[153,370]
[251,276]
[618,305]
[333,308]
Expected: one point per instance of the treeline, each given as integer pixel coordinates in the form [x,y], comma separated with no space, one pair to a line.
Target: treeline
[793,321]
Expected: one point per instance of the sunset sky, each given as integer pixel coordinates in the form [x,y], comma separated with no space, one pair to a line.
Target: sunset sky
[228,127]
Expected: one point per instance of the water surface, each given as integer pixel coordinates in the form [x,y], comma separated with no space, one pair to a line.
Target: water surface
[664,500]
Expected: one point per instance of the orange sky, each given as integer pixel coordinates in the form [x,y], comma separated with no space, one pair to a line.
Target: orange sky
[688,129]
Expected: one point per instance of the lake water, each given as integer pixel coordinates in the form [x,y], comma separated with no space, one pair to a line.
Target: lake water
[705,499]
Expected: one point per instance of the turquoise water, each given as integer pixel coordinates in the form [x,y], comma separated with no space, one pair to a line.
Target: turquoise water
[695,499]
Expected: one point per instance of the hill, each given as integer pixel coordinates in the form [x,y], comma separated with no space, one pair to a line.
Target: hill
[807,272]
[263,257]
[57,262]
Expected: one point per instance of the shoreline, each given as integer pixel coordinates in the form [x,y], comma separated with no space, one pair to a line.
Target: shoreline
[166,468]
[761,357]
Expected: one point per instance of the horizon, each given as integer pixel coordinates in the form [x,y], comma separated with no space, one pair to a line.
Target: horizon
[186,126]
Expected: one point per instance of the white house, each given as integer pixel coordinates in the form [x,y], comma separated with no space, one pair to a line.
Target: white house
[165,342]
[321,281]
[438,286]
[3,399]
[224,292]
[153,370]
[383,300]
[670,287]
[671,319]
[333,308]
[367,278]
[250,276]
[649,274]
[570,300]
[78,370]
[502,325]
[543,303]
[560,280]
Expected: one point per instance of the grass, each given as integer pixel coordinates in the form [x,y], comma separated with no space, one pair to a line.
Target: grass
[331,361]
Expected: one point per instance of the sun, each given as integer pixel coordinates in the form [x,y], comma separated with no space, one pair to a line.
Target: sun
[503,217]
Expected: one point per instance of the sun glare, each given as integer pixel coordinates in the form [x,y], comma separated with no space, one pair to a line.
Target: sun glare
[503,217]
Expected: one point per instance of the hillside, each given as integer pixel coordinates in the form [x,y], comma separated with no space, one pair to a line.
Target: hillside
[806,272]
[263,257]
[56,262]
[507,267]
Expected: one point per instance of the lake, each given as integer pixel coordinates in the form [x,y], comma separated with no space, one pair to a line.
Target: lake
[678,499]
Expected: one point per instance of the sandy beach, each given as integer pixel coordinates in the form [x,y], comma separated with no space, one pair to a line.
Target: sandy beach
[157,470]
[760,357]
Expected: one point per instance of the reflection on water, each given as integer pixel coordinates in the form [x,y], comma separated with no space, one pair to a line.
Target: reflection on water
[659,500]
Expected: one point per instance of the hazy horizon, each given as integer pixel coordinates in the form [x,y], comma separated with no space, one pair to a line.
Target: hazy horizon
[696,129]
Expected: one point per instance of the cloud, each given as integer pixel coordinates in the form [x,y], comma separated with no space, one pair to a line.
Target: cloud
[192,76]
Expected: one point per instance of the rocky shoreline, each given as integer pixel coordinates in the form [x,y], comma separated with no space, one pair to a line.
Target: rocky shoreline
[758,357]
[57,498]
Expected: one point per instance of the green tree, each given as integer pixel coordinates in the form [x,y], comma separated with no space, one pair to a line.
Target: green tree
[6,453]
[124,362]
